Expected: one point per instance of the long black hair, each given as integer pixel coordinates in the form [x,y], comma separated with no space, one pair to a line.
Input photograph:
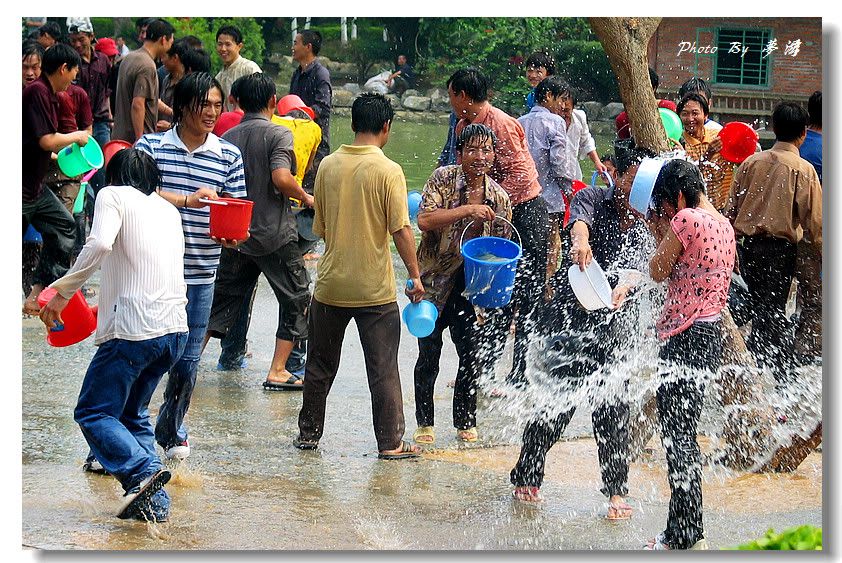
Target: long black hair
[190,93]
[678,177]
[133,167]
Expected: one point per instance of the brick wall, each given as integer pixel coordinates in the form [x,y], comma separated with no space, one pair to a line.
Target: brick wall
[797,76]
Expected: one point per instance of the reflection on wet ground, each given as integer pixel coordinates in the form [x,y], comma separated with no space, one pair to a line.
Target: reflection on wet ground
[246,487]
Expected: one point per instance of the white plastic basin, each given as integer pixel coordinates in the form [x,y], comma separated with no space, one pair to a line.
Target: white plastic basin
[591,287]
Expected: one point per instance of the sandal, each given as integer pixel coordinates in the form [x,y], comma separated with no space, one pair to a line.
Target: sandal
[468,434]
[302,444]
[424,435]
[290,384]
[527,494]
[619,511]
[406,451]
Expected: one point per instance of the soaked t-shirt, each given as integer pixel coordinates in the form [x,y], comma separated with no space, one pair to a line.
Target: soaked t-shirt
[698,285]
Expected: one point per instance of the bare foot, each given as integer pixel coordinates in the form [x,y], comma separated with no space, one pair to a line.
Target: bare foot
[618,509]
[282,376]
[527,494]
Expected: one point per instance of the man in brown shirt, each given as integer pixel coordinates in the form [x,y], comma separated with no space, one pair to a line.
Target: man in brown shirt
[515,171]
[136,100]
[775,201]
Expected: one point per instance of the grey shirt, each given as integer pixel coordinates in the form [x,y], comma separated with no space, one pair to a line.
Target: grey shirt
[546,137]
[265,146]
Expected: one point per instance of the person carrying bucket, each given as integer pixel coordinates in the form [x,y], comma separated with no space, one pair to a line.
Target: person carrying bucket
[195,164]
[455,198]
[141,327]
[515,171]
[579,342]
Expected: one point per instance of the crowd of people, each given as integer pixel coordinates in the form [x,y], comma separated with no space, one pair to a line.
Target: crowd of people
[167,286]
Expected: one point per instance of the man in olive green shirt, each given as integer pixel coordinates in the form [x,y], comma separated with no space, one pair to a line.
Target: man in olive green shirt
[360,200]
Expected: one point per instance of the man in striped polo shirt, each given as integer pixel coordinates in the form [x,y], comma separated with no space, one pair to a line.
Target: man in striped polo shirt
[194,164]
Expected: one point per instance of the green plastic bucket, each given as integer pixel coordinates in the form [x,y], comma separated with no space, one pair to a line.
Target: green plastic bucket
[75,160]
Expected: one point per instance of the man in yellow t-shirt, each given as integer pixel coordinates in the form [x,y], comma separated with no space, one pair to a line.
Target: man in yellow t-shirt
[360,200]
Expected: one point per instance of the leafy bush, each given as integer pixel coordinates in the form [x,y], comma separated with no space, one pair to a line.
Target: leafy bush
[800,538]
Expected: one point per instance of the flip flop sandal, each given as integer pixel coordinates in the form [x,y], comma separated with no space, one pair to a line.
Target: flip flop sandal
[406,452]
[527,494]
[148,487]
[289,385]
[468,434]
[305,444]
[422,432]
[623,511]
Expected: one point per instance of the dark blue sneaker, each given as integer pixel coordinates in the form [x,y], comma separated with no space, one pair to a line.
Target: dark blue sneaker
[148,500]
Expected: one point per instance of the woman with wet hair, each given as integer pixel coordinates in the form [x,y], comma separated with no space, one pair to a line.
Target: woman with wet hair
[695,256]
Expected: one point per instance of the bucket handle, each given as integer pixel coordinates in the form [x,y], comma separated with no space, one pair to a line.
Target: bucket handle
[607,177]
[212,201]
[462,238]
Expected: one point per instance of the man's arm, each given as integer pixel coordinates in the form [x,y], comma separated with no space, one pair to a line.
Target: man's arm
[286,184]
[138,113]
[54,142]
[405,243]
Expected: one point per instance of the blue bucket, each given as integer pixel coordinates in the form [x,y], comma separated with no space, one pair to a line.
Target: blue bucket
[31,235]
[490,283]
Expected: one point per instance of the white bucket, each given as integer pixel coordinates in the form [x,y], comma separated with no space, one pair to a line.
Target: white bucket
[591,287]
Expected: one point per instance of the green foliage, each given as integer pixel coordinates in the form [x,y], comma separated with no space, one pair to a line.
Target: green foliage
[585,66]
[205,29]
[800,538]
[499,47]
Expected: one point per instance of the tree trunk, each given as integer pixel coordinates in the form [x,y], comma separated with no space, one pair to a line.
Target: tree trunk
[625,42]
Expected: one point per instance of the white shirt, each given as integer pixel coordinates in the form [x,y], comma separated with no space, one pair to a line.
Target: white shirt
[139,242]
[581,141]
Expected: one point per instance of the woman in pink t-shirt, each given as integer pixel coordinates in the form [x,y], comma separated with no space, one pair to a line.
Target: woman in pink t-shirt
[695,256]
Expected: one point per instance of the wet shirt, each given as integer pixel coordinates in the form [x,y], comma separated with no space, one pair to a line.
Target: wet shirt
[312,85]
[612,247]
[216,164]
[513,166]
[137,78]
[360,200]
[581,141]
[777,193]
[717,172]
[306,136]
[546,137]
[439,254]
[40,118]
[698,285]
[226,77]
[265,147]
[93,78]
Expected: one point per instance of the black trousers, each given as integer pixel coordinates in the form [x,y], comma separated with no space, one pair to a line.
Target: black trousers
[680,401]
[582,341]
[458,315]
[768,266]
[58,230]
[531,219]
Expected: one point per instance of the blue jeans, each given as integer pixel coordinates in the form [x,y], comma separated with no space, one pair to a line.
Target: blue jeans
[169,428]
[113,406]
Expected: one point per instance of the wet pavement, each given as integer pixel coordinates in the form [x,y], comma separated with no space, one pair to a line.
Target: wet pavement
[246,487]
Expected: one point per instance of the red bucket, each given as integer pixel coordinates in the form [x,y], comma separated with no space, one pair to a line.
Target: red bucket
[577,185]
[739,141]
[79,319]
[230,218]
[112,147]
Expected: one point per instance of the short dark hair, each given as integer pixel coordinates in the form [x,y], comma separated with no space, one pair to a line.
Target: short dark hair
[254,92]
[653,79]
[133,167]
[696,85]
[789,120]
[231,30]
[555,85]
[191,92]
[370,112]
[179,47]
[693,97]
[471,81]
[814,108]
[541,59]
[195,60]
[157,29]
[193,41]
[57,55]
[52,29]
[298,114]
[676,177]
[475,131]
[627,154]
[313,38]
[143,22]
[32,48]
[237,87]
[608,157]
